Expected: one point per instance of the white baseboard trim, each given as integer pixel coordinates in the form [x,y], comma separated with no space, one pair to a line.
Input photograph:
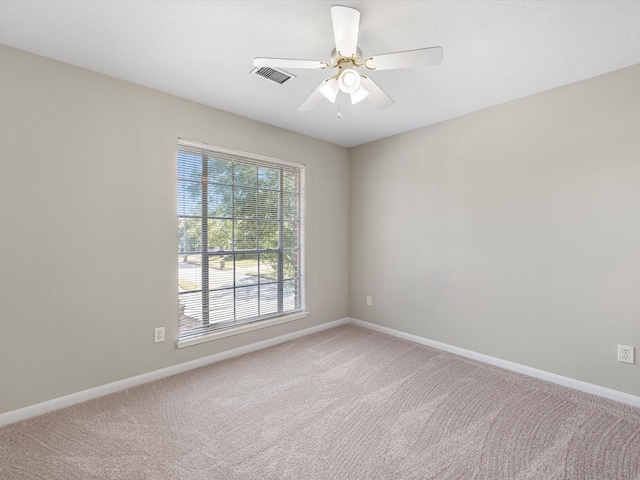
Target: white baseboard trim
[68,400]
[515,367]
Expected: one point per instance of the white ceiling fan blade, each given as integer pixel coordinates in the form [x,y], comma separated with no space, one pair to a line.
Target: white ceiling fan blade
[376,95]
[422,57]
[346,22]
[288,63]
[314,99]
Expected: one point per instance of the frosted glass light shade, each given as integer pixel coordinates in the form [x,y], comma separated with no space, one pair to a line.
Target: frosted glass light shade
[330,90]
[349,81]
[359,95]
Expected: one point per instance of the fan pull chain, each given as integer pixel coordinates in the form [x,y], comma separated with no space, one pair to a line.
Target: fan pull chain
[339,116]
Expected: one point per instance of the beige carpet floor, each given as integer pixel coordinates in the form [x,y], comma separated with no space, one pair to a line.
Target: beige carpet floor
[346,403]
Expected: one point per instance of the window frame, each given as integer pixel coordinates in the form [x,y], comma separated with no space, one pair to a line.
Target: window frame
[219,329]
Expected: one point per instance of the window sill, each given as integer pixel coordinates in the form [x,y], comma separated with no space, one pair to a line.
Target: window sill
[242,329]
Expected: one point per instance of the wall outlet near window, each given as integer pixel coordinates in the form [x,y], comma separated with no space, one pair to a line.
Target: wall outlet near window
[626,354]
[158,335]
[369,301]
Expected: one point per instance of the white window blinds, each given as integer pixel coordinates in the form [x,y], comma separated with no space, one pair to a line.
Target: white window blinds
[240,232]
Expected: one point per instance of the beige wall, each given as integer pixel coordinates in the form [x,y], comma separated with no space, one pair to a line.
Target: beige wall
[513,231]
[88,214]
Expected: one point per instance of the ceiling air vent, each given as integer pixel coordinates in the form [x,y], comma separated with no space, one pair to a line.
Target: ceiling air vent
[273,74]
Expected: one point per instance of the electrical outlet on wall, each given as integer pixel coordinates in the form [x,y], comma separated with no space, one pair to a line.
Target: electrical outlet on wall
[158,335]
[626,354]
[369,301]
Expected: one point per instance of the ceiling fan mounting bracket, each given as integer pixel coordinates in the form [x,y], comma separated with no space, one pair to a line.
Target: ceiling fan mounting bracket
[337,59]
[364,64]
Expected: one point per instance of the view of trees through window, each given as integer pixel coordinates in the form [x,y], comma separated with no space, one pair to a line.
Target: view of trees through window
[238,240]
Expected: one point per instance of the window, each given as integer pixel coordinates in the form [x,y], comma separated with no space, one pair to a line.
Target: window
[240,232]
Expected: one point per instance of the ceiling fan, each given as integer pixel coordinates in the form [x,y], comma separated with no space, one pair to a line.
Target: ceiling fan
[346,57]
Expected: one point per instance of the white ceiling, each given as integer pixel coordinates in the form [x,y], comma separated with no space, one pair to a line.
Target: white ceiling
[494,52]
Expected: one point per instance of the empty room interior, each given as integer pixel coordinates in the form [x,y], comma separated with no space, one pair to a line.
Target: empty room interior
[309,240]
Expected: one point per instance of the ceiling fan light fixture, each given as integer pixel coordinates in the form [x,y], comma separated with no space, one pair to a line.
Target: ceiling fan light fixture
[349,81]
[330,89]
[360,94]
[346,57]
